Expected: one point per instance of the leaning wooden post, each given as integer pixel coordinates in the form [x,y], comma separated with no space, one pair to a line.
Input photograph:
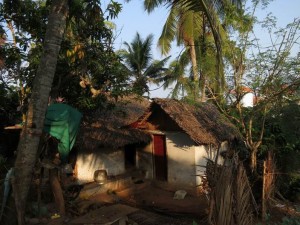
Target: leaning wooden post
[263,207]
[57,191]
[212,194]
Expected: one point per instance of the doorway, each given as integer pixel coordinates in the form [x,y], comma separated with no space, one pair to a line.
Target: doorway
[160,157]
[130,156]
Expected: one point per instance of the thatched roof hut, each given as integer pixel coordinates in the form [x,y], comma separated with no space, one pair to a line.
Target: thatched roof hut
[109,127]
[103,128]
[203,122]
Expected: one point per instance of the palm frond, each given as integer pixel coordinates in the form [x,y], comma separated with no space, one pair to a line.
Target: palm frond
[138,54]
[157,69]
[150,5]
[187,25]
[169,32]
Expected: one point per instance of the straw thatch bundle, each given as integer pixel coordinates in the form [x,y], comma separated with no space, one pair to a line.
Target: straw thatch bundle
[231,198]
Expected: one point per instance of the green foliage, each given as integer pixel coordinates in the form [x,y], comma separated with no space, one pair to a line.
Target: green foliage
[269,73]
[176,76]
[289,186]
[290,221]
[285,221]
[140,65]
[86,51]
[2,161]
[199,26]
[282,137]
[8,106]
[289,121]
[29,18]
[114,8]
[85,103]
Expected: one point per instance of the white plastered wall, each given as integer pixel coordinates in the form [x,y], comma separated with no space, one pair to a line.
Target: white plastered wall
[180,159]
[103,159]
[184,159]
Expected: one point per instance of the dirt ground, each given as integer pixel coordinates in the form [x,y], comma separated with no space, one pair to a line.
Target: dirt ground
[154,205]
[150,196]
[160,199]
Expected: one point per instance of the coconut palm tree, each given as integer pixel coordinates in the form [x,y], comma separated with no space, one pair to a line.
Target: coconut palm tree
[184,26]
[177,76]
[180,73]
[188,22]
[190,29]
[140,64]
[30,137]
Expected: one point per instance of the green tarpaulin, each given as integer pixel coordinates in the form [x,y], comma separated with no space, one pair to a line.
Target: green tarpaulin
[62,122]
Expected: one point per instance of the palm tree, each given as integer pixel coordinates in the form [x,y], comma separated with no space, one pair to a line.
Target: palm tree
[213,10]
[31,133]
[185,26]
[180,77]
[140,64]
[187,21]
[177,77]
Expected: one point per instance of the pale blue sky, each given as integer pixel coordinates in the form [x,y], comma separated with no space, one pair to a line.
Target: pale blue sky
[134,19]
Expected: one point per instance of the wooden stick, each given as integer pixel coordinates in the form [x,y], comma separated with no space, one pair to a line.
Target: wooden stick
[57,191]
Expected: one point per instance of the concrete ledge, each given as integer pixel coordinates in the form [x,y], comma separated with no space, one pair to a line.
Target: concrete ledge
[111,185]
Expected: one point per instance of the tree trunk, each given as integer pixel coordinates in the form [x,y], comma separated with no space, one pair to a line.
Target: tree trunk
[202,88]
[193,56]
[194,60]
[203,54]
[253,163]
[31,133]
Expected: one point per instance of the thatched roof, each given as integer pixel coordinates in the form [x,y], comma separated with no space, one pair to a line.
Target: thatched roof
[203,123]
[119,113]
[103,127]
[106,136]
[109,127]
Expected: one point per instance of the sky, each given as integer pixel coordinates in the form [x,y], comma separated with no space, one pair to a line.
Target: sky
[133,19]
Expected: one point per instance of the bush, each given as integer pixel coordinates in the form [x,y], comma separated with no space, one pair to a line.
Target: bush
[290,221]
[285,221]
[290,187]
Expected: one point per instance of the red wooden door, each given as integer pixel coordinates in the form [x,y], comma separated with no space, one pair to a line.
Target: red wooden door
[160,158]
